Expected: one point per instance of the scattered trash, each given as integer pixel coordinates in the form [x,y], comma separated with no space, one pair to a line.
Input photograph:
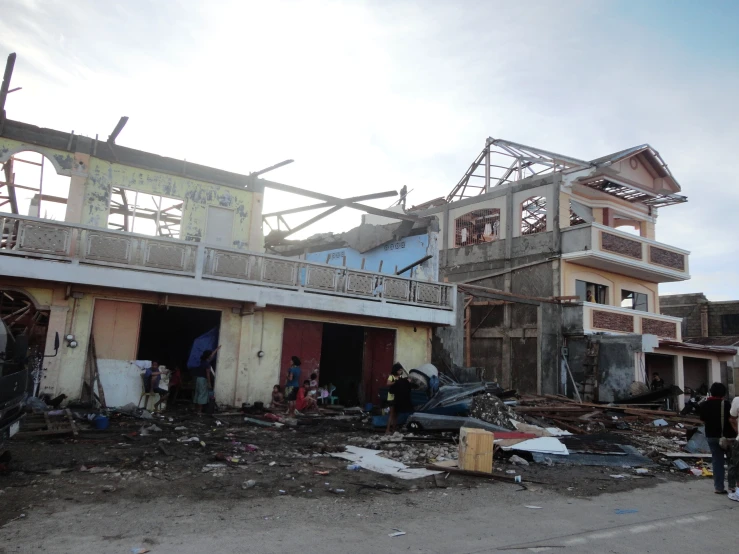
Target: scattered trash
[681,465]
[659,423]
[353,467]
[641,471]
[271,464]
[696,471]
[626,511]
[533,507]
[518,460]
[337,491]
[322,472]
[191,439]
[510,471]
[139,550]
[248,484]
[282,492]
[109,488]
[619,476]
[369,459]
[397,533]
[548,461]
[180,428]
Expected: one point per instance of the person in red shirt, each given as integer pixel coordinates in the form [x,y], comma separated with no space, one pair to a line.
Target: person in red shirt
[304,401]
[175,382]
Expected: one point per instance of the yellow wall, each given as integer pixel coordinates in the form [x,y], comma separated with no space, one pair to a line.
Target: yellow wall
[242,375]
[615,283]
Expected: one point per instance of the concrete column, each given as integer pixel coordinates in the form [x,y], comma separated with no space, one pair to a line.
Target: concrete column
[52,366]
[714,370]
[72,360]
[679,378]
[76,197]
[256,236]
[228,357]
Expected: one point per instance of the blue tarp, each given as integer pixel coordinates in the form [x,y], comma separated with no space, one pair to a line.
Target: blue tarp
[208,341]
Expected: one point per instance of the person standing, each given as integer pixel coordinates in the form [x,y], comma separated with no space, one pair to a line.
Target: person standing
[715,413]
[175,382]
[292,383]
[734,452]
[203,380]
[657,382]
[395,373]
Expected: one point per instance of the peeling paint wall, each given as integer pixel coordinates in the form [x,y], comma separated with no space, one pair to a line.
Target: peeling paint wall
[100,176]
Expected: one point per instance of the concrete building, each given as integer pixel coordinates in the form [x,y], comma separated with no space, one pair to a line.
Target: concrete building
[571,247]
[146,253]
[706,323]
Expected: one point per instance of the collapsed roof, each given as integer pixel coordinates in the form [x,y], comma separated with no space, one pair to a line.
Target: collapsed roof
[503,162]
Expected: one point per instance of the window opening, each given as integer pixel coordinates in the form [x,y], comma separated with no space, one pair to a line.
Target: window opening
[29,185]
[534,215]
[146,214]
[634,300]
[591,292]
[477,226]
[730,324]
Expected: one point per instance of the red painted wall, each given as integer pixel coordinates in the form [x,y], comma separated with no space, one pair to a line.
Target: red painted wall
[379,357]
[302,339]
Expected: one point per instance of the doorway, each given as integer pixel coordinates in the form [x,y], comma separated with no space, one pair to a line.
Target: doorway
[355,359]
[342,350]
[696,374]
[167,334]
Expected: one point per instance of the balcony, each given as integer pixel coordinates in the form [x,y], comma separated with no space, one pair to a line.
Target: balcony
[598,318]
[57,251]
[605,248]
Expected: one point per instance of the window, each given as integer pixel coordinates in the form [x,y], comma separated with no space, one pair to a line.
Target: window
[730,324]
[38,190]
[476,227]
[534,215]
[634,300]
[591,292]
[147,214]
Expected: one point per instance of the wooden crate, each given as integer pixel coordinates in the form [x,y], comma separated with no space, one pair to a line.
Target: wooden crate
[476,450]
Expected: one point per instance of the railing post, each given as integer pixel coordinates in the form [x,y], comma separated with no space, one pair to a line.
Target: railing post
[200,261]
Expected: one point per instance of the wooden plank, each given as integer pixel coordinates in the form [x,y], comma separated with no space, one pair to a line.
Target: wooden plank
[685,455]
[72,424]
[96,373]
[568,427]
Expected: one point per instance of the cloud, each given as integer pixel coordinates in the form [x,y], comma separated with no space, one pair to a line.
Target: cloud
[371,96]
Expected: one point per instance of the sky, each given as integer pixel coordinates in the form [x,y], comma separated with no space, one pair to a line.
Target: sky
[371,96]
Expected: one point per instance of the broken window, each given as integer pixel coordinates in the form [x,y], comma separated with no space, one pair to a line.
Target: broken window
[146,214]
[30,185]
[476,227]
[591,292]
[534,215]
[634,300]
[580,213]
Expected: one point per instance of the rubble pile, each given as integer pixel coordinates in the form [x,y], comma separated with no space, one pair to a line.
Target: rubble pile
[492,409]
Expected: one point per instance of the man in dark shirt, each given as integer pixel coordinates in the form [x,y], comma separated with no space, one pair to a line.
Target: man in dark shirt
[401,389]
[715,414]
[657,382]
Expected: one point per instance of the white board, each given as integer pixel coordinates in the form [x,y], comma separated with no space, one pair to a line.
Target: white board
[121,382]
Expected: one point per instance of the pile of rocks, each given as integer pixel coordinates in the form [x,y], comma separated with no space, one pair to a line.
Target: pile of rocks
[490,408]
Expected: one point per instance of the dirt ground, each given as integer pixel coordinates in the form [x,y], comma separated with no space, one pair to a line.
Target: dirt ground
[243,461]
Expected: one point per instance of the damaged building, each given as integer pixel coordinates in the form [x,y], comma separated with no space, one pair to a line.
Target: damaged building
[560,265]
[130,255]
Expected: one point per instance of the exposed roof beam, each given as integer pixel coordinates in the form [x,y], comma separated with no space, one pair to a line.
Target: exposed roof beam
[374,196]
[118,128]
[338,201]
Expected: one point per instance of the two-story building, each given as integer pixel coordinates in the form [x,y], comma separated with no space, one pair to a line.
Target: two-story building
[145,254]
[535,223]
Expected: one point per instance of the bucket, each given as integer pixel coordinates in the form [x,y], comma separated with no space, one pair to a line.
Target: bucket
[101,422]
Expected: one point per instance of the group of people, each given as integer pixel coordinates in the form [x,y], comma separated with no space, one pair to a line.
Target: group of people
[296,398]
[204,376]
[302,399]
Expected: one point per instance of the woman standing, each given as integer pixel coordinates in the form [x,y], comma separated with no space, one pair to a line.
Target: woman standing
[715,414]
[292,384]
[203,380]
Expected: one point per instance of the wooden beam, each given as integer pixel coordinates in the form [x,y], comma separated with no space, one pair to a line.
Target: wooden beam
[374,196]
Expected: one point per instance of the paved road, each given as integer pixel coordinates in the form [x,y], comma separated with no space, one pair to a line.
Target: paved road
[671,517]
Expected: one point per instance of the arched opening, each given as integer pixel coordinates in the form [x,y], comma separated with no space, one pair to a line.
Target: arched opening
[534,215]
[30,185]
[476,227]
[22,317]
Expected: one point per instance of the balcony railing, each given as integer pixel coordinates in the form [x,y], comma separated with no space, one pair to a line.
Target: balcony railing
[38,238]
[600,317]
[608,248]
